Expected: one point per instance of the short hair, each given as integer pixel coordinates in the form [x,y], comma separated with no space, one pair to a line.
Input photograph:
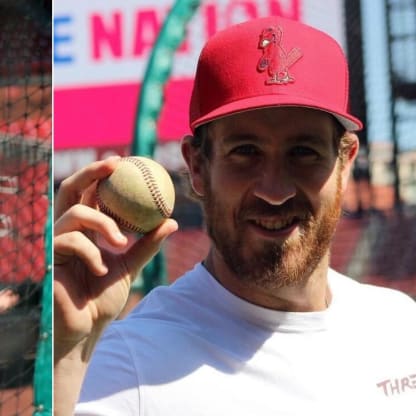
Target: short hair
[201,140]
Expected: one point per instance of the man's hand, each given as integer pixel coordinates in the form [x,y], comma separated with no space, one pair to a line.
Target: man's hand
[91,284]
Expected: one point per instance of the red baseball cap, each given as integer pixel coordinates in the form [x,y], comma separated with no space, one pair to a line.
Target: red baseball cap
[270,62]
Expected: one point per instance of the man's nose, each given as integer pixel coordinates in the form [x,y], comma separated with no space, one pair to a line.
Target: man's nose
[275,184]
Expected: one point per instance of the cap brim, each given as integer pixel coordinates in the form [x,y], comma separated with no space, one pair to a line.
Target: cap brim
[350,122]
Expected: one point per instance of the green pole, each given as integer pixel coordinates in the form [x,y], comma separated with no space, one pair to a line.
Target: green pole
[43,363]
[150,104]
[156,74]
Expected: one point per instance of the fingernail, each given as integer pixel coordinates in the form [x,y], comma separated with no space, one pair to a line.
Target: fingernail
[120,237]
[113,157]
[104,269]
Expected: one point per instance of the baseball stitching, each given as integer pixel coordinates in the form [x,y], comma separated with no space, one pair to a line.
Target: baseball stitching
[152,185]
[123,223]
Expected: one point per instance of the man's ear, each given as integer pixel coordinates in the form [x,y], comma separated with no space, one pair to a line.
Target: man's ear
[350,155]
[193,159]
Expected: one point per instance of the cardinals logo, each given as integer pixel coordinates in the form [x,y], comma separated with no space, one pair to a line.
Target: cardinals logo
[275,59]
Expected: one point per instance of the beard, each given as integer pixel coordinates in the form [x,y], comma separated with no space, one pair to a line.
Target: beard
[267,264]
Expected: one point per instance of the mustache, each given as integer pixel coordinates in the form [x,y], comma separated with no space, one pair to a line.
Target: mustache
[290,208]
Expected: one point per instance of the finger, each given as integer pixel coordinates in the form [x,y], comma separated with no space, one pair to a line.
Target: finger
[90,196]
[77,244]
[86,219]
[72,188]
[144,249]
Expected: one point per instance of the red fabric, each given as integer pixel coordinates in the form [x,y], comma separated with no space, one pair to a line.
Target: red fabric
[300,66]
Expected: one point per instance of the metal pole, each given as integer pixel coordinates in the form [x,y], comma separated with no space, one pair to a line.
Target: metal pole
[394,132]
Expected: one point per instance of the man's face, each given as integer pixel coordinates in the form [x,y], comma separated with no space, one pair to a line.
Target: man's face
[272,193]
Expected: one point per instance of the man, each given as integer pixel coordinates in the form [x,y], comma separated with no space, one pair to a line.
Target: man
[262,326]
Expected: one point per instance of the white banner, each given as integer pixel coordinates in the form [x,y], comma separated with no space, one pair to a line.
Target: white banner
[100,42]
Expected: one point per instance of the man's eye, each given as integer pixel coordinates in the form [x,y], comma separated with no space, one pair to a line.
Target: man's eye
[245,149]
[304,151]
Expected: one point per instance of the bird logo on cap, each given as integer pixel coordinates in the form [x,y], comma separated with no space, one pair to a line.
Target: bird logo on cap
[275,59]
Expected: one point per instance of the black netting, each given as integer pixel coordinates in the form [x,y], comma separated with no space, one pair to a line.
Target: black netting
[25,156]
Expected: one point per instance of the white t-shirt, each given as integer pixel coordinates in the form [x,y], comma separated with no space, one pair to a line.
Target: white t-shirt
[193,348]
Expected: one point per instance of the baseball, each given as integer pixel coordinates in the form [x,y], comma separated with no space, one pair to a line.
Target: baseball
[138,195]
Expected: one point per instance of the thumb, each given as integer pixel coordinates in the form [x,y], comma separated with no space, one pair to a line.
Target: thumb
[146,247]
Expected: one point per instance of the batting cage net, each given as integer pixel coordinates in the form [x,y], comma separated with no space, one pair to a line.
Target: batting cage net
[374,241]
[25,156]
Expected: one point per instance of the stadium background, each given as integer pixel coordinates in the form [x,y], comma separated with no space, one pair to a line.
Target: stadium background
[103,50]
[25,169]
